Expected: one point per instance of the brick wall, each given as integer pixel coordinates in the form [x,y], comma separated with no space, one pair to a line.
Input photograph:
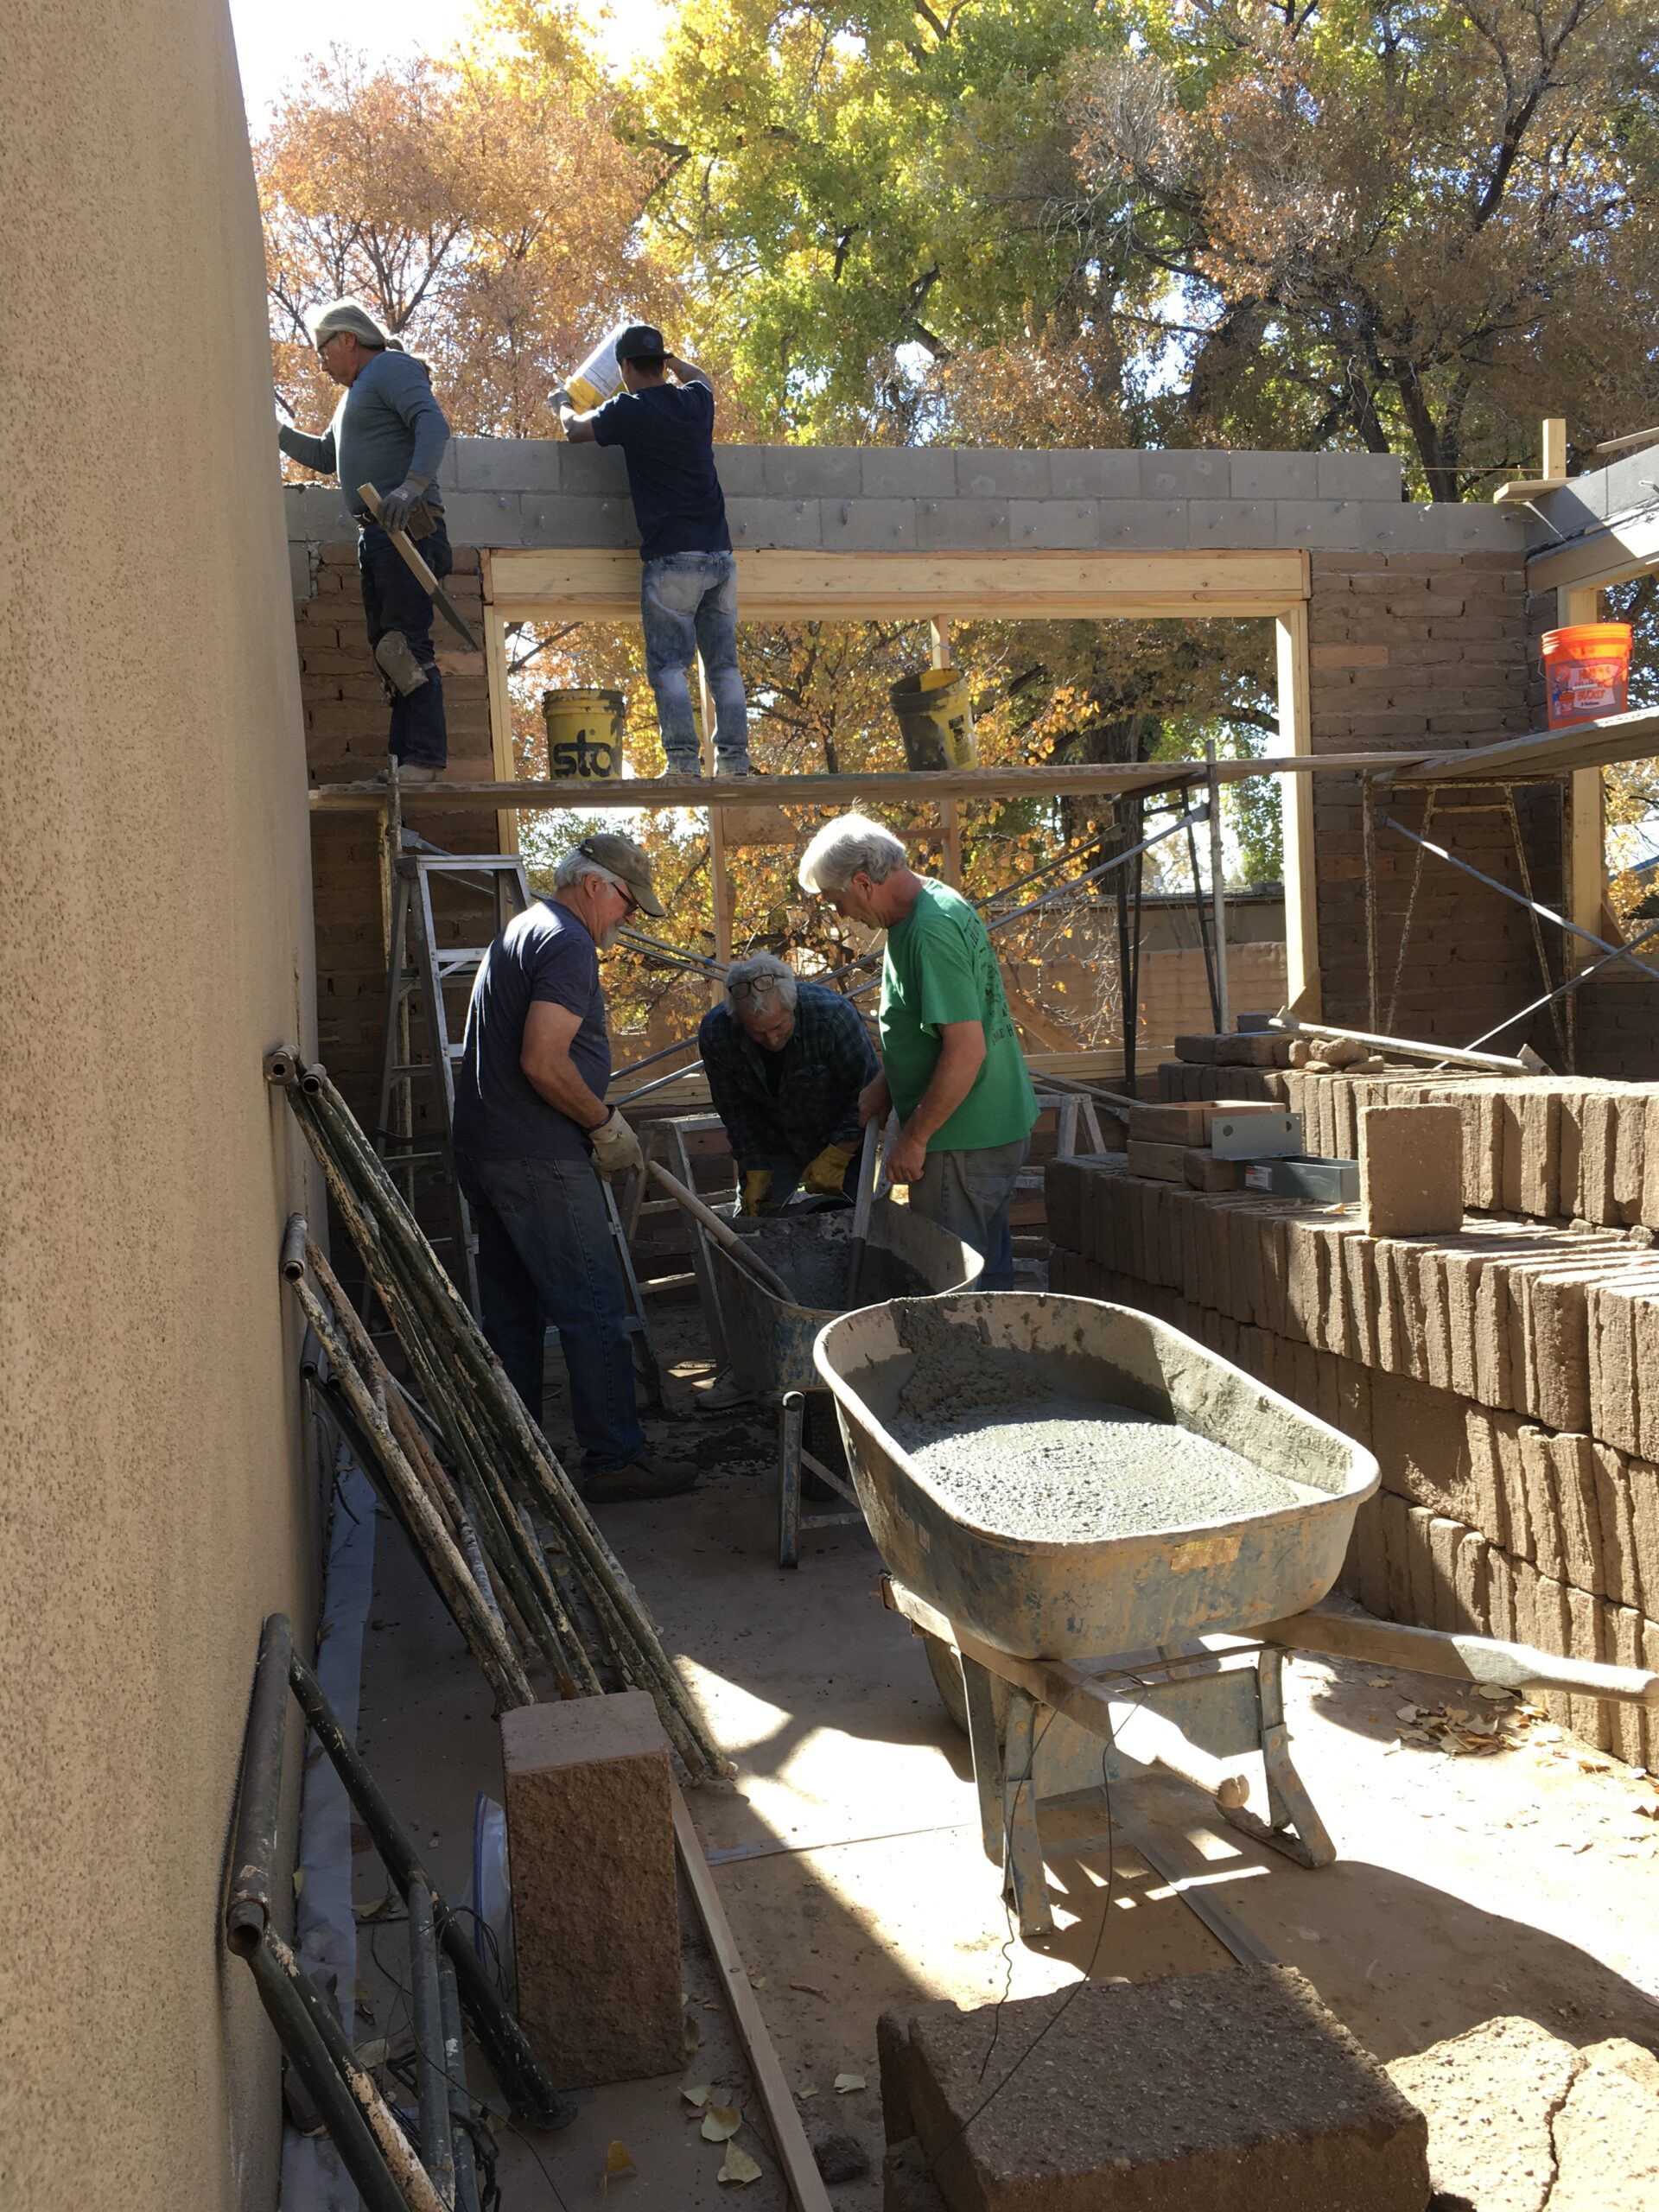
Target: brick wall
[346,717]
[1404,649]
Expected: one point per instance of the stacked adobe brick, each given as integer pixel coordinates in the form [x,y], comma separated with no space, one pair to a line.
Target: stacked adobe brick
[346,716]
[1506,1378]
[1409,649]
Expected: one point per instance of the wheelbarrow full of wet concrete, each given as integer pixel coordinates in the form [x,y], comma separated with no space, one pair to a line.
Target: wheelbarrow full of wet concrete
[769,1343]
[1078,1663]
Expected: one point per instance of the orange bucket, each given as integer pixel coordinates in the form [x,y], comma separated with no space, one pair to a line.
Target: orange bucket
[1587,672]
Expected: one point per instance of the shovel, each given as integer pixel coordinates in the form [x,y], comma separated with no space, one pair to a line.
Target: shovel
[422,576]
[861,1205]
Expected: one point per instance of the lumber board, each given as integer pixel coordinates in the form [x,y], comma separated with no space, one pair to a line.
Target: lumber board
[801,2173]
[529,584]
[915,787]
[1632,737]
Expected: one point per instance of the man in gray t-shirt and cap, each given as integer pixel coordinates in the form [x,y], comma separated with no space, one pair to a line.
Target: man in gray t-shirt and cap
[388,431]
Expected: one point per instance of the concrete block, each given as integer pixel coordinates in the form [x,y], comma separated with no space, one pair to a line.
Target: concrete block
[907,2183]
[1576,1490]
[1143,524]
[1275,475]
[908,472]
[1470,1579]
[1295,2110]
[741,470]
[810,472]
[595,1910]
[554,521]
[1359,476]
[1095,473]
[1057,526]
[867,526]
[1190,475]
[1606,2135]
[1198,1050]
[1474,526]
[509,464]
[783,523]
[1489,2096]
[597,471]
[989,473]
[1331,525]
[487,517]
[1411,1170]
[1238,523]
[962,525]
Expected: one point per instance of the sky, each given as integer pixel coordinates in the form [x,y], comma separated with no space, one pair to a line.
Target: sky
[272,41]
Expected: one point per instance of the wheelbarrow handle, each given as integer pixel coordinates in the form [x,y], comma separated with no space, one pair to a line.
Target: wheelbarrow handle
[1461,1658]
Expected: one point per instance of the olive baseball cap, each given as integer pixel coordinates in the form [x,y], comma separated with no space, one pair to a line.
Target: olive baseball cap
[640,342]
[623,858]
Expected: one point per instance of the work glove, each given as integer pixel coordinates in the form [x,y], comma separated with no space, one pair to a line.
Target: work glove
[397,507]
[826,1176]
[757,1182]
[561,399]
[616,1149]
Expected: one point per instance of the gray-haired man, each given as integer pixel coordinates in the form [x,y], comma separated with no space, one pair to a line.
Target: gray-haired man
[951,1063]
[532,1128]
[786,1061]
[388,431]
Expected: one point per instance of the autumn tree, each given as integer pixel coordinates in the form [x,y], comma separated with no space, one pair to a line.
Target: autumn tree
[486,217]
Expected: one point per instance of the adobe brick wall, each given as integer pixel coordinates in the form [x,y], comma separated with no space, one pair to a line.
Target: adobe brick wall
[346,716]
[1407,649]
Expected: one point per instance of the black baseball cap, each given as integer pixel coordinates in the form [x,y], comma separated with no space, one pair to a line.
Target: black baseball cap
[640,342]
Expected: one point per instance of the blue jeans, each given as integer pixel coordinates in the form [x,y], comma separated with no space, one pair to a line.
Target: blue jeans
[969,1193]
[544,1255]
[392,600]
[688,604]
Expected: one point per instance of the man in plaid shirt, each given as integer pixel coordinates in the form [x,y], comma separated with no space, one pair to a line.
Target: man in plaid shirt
[786,1061]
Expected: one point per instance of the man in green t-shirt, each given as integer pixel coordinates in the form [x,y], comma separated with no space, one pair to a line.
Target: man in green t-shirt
[950,1063]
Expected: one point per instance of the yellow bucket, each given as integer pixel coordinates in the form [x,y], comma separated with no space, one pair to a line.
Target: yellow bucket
[599,376]
[585,734]
[936,719]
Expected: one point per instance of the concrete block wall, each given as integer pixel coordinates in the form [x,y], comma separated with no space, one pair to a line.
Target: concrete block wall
[503,493]
[345,720]
[1506,1379]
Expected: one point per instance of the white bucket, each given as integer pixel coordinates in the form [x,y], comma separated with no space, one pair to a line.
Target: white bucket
[599,376]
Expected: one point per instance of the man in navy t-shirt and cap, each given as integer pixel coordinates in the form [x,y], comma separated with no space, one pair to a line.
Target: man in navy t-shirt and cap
[663,420]
[532,1135]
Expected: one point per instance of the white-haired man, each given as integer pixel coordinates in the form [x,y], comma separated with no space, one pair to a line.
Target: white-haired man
[951,1063]
[388,431]
[532,1128]
[786,1062]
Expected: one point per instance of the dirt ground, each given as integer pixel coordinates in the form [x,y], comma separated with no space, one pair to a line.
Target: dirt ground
[1468,1885]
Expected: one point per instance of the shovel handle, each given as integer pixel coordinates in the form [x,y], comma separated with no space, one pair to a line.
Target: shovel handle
[722,1234]
[862,1204]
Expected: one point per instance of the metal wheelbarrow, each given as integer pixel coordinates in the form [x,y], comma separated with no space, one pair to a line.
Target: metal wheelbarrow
[770,1343]
[1173,1639]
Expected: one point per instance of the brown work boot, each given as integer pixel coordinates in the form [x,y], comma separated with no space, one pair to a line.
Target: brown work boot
[638,1480]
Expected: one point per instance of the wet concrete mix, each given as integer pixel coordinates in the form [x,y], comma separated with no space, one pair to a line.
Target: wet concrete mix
[812,1254]
[1014,1450]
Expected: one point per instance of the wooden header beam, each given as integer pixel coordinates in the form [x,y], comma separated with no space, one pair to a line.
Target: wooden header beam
[533,584]
[923,788]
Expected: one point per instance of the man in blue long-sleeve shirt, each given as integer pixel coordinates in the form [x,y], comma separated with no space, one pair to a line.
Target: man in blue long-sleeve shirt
[388,431]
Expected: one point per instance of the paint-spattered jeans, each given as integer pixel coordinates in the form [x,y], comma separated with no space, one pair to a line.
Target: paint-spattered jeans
[392,600]
[544,1255]
[969,1193]
[688,604]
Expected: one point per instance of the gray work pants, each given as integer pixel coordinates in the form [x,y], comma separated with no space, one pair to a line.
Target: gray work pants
[969,1193]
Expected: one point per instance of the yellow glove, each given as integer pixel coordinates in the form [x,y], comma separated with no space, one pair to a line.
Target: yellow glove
[756,1183]
[825,1175]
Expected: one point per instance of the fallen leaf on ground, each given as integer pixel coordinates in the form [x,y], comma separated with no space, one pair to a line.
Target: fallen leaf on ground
[757,1981]
[720,2123]
[846,2083]
[692,2038]
[699,2095]
[810,2090]
[738,2165]
[1495,1691]
[1405,1712]
[619,2162]
[1378,1681]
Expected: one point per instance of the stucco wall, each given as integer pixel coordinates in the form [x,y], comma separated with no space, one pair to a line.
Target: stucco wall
[154,902]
